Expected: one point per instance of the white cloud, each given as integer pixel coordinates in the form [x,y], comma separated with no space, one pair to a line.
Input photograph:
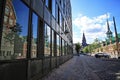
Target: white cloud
[92,27]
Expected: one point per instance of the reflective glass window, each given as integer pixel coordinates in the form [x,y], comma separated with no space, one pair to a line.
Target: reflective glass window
[60,17]
[63,46]
[53,43]
[65,49]
[47,40]
[57,13]
[58,46]
[34,35]
[47,3]
[14,33]
[53,8]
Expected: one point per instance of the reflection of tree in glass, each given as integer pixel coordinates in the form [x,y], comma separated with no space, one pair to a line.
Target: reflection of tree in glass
[14,33]
[17,28]
[46,40]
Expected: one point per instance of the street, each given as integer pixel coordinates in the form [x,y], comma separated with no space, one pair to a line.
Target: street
[86,68]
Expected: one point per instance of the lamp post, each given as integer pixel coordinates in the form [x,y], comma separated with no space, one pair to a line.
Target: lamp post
[116,36]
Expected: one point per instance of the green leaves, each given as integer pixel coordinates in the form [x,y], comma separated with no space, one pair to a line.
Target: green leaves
[77,47]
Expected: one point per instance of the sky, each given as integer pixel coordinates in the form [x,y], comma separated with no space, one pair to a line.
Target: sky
[90,16]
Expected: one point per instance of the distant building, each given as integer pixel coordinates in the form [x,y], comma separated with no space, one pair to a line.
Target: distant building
[84,43]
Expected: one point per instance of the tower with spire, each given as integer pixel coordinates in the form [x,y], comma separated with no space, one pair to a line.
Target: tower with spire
[109,32]
[84,41]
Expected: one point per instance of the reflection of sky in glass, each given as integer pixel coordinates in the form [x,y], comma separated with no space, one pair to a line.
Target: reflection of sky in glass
[62,42]
[21,12]
[46,2]
[48,33]
[48,28]
[52,37]
[53,8]
[34,24]
[57,40]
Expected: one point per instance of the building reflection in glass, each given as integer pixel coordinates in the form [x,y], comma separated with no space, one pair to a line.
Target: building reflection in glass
[14,33]
[47,36]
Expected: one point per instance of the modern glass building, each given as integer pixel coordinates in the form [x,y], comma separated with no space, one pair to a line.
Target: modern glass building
[35,37]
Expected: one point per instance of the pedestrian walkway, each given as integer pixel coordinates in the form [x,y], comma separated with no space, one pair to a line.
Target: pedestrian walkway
[74,69]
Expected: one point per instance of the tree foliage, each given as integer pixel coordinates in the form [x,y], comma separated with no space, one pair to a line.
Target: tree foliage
[13,33]
[90,48]
[77,47]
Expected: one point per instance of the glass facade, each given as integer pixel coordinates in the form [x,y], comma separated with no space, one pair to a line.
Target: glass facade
[22,31]
[32,37]
[14,33]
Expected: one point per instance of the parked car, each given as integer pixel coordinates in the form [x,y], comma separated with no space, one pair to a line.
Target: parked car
[102,55]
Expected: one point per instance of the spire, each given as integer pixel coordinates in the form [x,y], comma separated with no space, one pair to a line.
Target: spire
[84,40]
[109,32]
[108,28]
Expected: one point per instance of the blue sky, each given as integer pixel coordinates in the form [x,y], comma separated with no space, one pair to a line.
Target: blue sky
[21,12]
[89,16]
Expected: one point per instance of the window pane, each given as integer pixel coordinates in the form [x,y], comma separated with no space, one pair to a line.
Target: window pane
[60,17]
[14,33]
[65,51]
[63,46]
[58,46]
[47,40]
[47,3]
[53,43]
[53,8]
[34,36]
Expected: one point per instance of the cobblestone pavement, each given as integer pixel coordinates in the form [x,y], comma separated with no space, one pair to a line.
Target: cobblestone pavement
[86,68]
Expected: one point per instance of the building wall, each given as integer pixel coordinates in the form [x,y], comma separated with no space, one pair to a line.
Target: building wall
[109,49]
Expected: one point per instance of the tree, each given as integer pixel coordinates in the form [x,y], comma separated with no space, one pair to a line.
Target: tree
[12,38]
[91,47]
[13,34]
[77,47]
[86,49]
